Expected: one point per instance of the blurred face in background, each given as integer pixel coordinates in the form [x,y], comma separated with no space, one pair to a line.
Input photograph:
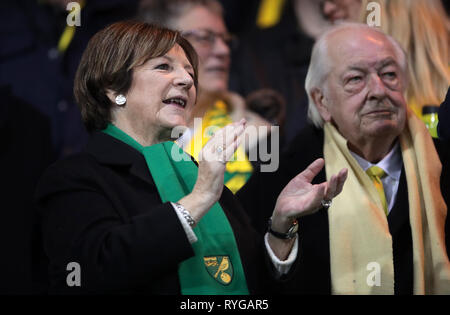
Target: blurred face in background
[341,10]
[207,32]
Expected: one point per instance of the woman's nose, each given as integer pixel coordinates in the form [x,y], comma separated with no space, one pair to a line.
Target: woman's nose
[183,78]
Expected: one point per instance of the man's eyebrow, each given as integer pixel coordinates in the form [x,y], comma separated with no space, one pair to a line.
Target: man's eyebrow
[388,62]
[355,67]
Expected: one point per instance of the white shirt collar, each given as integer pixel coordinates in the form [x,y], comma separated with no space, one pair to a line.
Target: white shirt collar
[391,163]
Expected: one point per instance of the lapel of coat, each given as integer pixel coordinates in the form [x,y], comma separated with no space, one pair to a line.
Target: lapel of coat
[110,151]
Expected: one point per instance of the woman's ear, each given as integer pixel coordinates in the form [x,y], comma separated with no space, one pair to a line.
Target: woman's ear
[321,103]
[111,95]
[118,99]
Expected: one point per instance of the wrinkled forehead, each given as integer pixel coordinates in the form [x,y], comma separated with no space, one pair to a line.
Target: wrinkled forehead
[356,47]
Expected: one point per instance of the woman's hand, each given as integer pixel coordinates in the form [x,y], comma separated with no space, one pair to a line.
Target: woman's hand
[300,198]
[211,168]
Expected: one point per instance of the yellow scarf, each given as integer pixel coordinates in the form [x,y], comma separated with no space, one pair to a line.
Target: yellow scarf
[238,169]
[359,231]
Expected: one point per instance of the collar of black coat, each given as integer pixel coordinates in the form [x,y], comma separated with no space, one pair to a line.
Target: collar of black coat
[110,151]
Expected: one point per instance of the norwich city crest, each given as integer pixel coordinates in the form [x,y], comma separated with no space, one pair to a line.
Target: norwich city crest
[220,268]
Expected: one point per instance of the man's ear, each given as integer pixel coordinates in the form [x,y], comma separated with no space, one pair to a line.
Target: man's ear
[321,104]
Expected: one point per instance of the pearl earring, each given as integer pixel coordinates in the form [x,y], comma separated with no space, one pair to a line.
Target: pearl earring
[121,99]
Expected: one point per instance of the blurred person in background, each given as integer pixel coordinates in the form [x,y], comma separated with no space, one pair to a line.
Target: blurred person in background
[423,30]
[335,11]
[202,23]
[269,104]
[40,53]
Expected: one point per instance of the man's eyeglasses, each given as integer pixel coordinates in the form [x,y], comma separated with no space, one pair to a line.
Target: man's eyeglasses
[207,38]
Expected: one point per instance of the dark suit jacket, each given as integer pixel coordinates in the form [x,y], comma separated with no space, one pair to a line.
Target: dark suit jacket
[259,195]
[444,118]
[102,210]
[25,153]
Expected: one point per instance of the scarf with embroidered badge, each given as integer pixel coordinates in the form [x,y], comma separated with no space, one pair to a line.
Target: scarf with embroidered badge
[216,268]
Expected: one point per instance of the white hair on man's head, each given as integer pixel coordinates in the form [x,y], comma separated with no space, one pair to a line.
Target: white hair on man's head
[319,67]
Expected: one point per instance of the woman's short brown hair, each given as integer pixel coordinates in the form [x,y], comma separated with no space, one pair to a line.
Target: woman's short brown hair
[109,60]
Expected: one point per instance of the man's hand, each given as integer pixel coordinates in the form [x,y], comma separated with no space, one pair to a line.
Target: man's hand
[300,198]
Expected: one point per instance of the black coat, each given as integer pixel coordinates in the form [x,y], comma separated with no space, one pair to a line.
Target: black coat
[444,118]
[259,195]
[25,153]
[102,210]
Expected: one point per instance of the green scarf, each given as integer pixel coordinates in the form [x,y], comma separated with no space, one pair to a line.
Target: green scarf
[216,267]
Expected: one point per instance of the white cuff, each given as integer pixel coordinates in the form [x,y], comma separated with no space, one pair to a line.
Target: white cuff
[187,228]
[282,267]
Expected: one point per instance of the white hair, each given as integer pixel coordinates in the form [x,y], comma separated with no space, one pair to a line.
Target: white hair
[319,67]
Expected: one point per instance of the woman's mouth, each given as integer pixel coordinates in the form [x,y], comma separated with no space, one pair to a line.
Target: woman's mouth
[176,101]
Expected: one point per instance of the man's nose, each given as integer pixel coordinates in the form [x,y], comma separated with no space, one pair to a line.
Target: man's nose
[220,47]
[376,86]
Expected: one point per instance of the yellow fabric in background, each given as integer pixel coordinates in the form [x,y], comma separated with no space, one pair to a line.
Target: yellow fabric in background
[269,13]
[415,107]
